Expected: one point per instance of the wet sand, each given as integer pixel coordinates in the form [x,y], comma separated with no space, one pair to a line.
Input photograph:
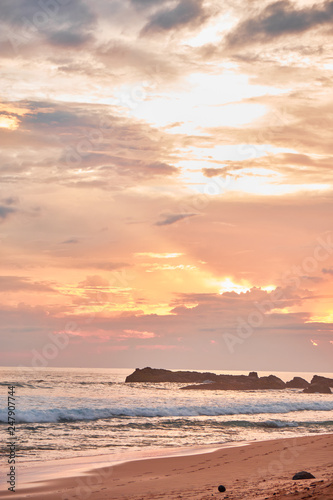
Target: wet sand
[261,470]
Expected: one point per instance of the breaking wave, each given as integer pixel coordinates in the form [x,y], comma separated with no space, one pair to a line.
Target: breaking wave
[89,413]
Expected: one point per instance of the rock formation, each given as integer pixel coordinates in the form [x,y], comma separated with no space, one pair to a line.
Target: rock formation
[320,387]
[297,383]
[318,379]
[213,382]
[207,381]
[237,384]
[158,375]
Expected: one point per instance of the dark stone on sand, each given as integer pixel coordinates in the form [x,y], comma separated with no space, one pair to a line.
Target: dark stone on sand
[221,488]
[318,379]
[297,383]
[321,388]
[303,475]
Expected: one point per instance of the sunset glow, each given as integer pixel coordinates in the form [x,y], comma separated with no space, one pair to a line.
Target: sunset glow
[228,286]
[9,122]
[167,177]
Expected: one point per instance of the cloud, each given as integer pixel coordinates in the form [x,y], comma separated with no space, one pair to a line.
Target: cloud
[161,347]
[172,218]
[142,61]
[188,329]
[214,172]
[86,152]
[189,13]
[63,38]
[143,4]
[159,168]
[121,151]
[283,165]
[6,211]
[11,200]
[21,283]
[106,266]
[138,334]
[54,118]
[28,23]
[328,271]
[154,255]
[280,18]
[95,281]
[70,241]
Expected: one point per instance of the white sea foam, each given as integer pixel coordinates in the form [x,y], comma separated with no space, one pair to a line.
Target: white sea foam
[88,413]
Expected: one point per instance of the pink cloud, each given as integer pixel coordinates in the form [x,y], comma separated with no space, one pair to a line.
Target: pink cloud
[138,334]
[160,347]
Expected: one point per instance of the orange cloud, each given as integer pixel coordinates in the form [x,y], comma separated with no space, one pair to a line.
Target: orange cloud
[139,335]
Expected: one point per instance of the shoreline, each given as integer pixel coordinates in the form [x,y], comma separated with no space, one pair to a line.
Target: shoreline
[260,470]
[32,472]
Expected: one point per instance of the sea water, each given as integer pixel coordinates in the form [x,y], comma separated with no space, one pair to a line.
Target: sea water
[77,412]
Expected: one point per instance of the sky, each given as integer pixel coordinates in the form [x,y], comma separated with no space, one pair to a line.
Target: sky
[166,184]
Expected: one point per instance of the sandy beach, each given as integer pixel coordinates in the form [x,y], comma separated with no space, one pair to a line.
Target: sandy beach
[260,470]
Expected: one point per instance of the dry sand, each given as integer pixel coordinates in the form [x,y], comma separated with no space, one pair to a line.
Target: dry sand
[261,470]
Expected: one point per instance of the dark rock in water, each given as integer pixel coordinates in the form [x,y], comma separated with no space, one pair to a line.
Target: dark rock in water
[318,379]
[303,475]
[233,383]
[207,381]
[221,488]
[271,382]
[321,388]
[158,375]
[213,386]
[297,383]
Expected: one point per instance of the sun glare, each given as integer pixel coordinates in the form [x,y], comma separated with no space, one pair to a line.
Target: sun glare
[212,33]
[229,286]
[9,122]
[204,100]
[268,288]
[324,318]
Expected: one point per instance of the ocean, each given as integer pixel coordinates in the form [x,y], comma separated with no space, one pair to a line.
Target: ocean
[78,412]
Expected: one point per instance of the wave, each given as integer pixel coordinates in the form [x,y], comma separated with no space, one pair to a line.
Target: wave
[15,384]
[186,423]
[96,383]
[89,413]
